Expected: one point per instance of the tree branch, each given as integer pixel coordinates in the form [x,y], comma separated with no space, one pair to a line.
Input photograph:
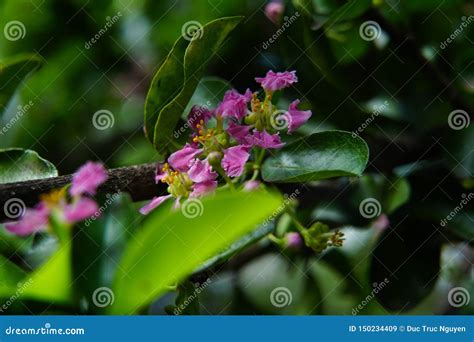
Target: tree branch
[138,181]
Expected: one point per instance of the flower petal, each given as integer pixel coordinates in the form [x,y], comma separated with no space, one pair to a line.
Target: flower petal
[203,188]
[267,140]
[198,114]
[234,104]
[87,179]
[201,171]
[277,80]
[81,210]
[297,118]
[181,159]
[241,133]
[32,221]
[234,160]
[154,203]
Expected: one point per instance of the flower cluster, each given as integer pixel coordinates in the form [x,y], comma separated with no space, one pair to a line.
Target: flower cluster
[78,207]
[225,139]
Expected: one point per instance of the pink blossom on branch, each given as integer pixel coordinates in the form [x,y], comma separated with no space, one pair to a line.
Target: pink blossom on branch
[234,104]
[87,179]
[277,80]
[297,118]
[274,11]
[234,160]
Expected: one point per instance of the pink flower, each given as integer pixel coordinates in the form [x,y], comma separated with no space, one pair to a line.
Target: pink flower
[293,240]
[203,188]
[296,117]
[234,160]
[201,171]
[234,104]
[198,114]
[155,202]
[251,185]
[87,179]
[32,221]
[274,11]
[267,140]
[81,210]
[276,81]
[239,132]
[181,160]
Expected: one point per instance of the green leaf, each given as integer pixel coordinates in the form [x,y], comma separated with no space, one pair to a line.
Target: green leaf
[52,282]
[171,245]
[10,276]
[17,165]
[104,238]
[209,93]
[175,82]
[350,10]
[318,156]
[239,245]
[13,72]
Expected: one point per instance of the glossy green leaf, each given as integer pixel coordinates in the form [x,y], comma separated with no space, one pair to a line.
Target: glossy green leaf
[13,72]
[17,165]
[52,282]
[318,156]
[239,245]
[209,93]
[175,82]
[350,10]
[10,276]
[171,244]
[98,245]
